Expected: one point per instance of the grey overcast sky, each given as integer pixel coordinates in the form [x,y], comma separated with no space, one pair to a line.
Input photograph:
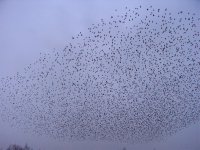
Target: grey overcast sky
[31,27]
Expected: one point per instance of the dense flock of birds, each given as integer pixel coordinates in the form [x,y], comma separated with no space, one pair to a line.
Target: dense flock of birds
[134,77]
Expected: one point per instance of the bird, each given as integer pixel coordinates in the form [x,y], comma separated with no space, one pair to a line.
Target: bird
[132,78]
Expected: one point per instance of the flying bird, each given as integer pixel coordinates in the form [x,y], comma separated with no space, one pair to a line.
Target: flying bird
[135,77]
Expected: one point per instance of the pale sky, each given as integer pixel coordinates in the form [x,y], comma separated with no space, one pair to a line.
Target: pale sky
[31,27]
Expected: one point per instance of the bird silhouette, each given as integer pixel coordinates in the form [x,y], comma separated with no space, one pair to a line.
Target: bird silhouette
[135,77]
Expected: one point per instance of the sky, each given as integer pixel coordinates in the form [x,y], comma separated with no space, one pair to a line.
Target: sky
[31,27]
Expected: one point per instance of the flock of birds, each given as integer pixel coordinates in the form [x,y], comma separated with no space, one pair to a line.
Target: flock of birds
[135,77]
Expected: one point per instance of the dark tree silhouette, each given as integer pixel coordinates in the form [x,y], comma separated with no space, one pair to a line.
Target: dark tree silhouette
[17,147]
